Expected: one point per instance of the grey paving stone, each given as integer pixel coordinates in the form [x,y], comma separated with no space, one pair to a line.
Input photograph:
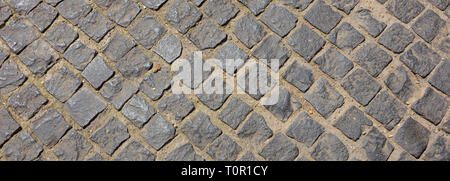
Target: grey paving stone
[197,2]
[169,48]
[399,82]
[27,101]
[248,156]
[183,16]
[147,31]
[438,150]
[306,42]
[156,83]
[440,4]
[431,106]
[23,6]
[134,64]
[346,37]
[18,34]
[221,11]
[95,25]
[235,112]
[372,58]
[440,78]
[42,16]
[428,25]
[72,147]
[22,147]
[334,64]
[297,4]
[206,35]
[329,147]
[377,147]
[420,59]
[97,72]
[281,104]
[405,10]
[134,151]
[444,46]
[200,130]
[446,126]
[255,6]
[79,55]
[215,98]
[386,109]
[224,149]
[184,153]
[396,38]
[361,86]
[4,54]
[73,10]
[117,47]
[344,5]
[352,123]
[229,51]
[176,106]
[194,80]
[401,156]
[369,23]
[279,20]
[249,31]
[117,91]
[10,77]
[61,36]
[84,106]
[8,126]
[279,148]
[103,3]
[138,111]
[322,16]
[324,97]
[111,135]
[55,2]
[123,12]
[95,157]
[271,49]
[413,137]
[39,56]
[153,4]
[50,127]
[300,75]
[258,81]
[5,13]
[62,84]
[255,130]
[304,129]
[158,132]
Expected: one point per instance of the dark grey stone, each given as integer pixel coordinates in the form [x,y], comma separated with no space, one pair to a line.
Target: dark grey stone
[441,76]
[10,77]
[257,80]
[401,156]
[428,25]
[18,34]
[440,4]
[446,126]
[138,111]
[334,64]
[117,91]
[95,25]
[79,55]
[184,153]
[195,59]
[386,109]
[255,6]
[280,148]
[23,6]
[382,1]
[169,48]
[117,47]
[399,82]
[111,135]
[72,147]
[61,36]
[405,10]
[369,23]
[324,97]
[444,46]
[147,31]
[42,16]
[299,75]
[248,156]
[255,130]
[50,127]
[413,137]
[206,35]
[431,106]
[330,148]
[220,10]
[183,16]
[372,58]
[361,86]
[377,147]
[39,56]
[73,10]
[158,132]
[344,5]
[156,83]
[322,16]
[249,31]
[420,59]
[153,4]
[352,123]
[8,126]
[123,12]
[27,102]
[95,157]
[224,149]
[279,20]
[235,112]
[177,106]
[230,51]
[200,130]
[396,38]
[439,149]
[97,72]
[134,64]
[84,106]
[216,99]
[134,151]
[346,37]
[272,48]
[306,42]
[304,129]
[22,147]
[297,4]
[62,84]
[281,104]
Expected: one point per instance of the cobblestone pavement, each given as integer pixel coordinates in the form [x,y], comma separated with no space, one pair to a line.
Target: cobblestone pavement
[91,80]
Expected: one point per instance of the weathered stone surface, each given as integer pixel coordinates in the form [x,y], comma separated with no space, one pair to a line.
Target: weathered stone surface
[158,132]
[73,10]
[372,58]
[344,5]
[346,37]
[280,148]
[55,2]
[84,106]
[446,126]
[197,2]
[334,64]
[184,153]
[440,78]
[134,151]
[220,10]
[405,10]
[72,147]
[304,129]
[23,6]
[255,130]
[183,16]
[248,156]
[3,55]
[324,97]
[413,137]
[329,147]
[200,130]
[50,127]
[420,59]
[281,104]
[398,155]
[95,25]
[62,84]
[18,34]
[217,97]
[5,13]
[352,123]
[235,112]
[249,31]
[271,49]
[255,6]
[8,126]
[169,48]
[27,102]
[97,72]
[230,58]
[79,55]
[153,4]
[257,80]
[369,23]
[176,106]
[396,38]
[147,31]
[224,149]
[61,36]
[117,47]
[438,150]
[138,111]
[103,3]
[111,135]
[39,56]
[134,64]
[297,4]
[279,20]
[42,16]
[431,106]
[386,109]
[306,42]
[399,82]
[322,16]
[95,157]
[440,4]
[428,25]
[376,145]
[155,84]
[123,12]
[10,77]
[117,91]
[22,147]
[444,46]
[299,75]
[206,35]
[361,86]
[194,62]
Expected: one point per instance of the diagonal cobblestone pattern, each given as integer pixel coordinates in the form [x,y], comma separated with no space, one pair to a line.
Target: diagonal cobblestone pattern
[91,80]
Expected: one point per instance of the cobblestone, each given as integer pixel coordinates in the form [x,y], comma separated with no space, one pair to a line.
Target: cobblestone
[42,16]
[123,12]
[279,20]
[118,91]
[27,102]
[427,26]
[61,36]
[352,123]
[84,106]
[396,38]
[22,148]
[97,72]
[224,149]
[322,16]
[361,86]
[200,130]
[304,129]
[221,10]
[249,31]
[50,127]
[72,147]
[184,153]
[235,112]
[255,130]
[138,111]
[158,132]
[329,147]
[413,137]
[324,98]
[420,59]
[405,10]
[334,64]
[432,112]
[386,109]
[306,42]
[369,23]
[206,35]
[18,34]
[279,148]
[39,56]
[8,126]
[117,47]
[346,37]
[111,135]
[79,55]
[134,151]
[372,58]
[440,77]
[145,35]
[63,84]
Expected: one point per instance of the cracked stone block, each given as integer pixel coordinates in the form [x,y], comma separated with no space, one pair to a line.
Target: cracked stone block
[97,72]
[255,6]
[396,38]
[297,4]
[438,150]
[138,111]
[304,129]
[22,147]
[399,82]
[183,16]
[23,6]
[206,35]
[344,5]
[79,55]
[352,123]
[300,75]
[235,112]
[324,97]
[95,25]
[123,12]
[169,48]
[18,34]
[249,31]
[256,80]
[27,102]
[155,84]
[62,84]
[61,36]
[153,4]
[279,20]
[372,58]
[431,106]
[200,130]
[330,148]
[42,16]
[134,64]
[50,127]
[272,48]
[420,59]
[346,37]
[322,16]
[281,104]
[248,156]
[428,25]
[134,151]
[361,86]
[147,31]
[10,77]
[158,132]
[220,10]
[440,4]
[217,98]
[255,129]
[117,91]
[118,46]
[369,23]
[111,135]
[405,10]
[377,147]
[224,149]
[5,13]
[413,137]
[386,110]
[280,148]
[72,147]
[39,56]
[184,153]
[84,106]
[230,58]
[334,64]
[306,42]
[8,126]
[441,77]
[73,10]
[195,59]
[176,106]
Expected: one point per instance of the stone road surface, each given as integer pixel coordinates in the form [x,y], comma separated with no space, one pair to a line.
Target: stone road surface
[91,80]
